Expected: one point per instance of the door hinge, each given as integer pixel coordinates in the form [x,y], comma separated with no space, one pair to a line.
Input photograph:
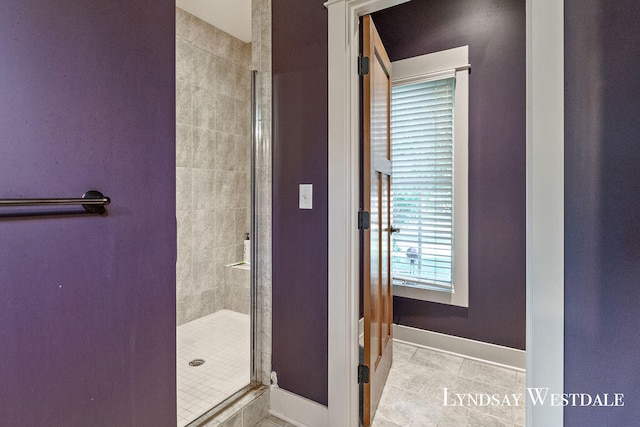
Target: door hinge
[363,374]
[364,220]
[363,65]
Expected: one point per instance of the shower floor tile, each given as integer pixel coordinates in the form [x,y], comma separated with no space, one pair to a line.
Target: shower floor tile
[222,340]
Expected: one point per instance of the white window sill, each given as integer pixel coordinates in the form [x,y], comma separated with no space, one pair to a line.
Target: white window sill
[459,299]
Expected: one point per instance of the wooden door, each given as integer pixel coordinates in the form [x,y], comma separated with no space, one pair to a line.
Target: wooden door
[376,187]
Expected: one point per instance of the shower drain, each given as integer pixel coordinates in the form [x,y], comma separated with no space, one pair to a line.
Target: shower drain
[196,362]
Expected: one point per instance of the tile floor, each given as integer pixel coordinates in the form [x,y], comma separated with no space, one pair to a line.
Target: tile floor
[222,339]
[414,396]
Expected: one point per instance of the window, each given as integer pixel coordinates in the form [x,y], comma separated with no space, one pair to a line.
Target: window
[429,151]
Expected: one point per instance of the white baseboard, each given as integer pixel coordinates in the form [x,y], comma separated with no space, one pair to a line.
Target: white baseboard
[491,353]
[297,410]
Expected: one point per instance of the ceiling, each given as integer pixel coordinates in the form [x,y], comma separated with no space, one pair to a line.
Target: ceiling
[231,16]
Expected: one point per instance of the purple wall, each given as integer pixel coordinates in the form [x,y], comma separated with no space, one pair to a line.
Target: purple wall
[602,184]
[300,126]
[495,33]
[87,303]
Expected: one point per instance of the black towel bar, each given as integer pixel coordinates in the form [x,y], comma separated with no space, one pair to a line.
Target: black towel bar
[93,201]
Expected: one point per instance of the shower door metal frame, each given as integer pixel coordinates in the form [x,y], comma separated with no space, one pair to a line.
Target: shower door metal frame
[255,315]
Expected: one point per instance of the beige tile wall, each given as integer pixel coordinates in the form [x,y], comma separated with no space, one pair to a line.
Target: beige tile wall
[213,98]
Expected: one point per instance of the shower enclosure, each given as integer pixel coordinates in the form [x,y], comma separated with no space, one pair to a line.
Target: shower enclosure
[219,142]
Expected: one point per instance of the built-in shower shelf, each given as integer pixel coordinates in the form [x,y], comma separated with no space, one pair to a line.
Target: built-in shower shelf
[239,265]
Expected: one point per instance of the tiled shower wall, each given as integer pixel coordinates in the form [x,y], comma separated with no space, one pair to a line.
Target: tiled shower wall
[213,160]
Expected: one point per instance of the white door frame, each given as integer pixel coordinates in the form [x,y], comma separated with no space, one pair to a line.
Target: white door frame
[545,204]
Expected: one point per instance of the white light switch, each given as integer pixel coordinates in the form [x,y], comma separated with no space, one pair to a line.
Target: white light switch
[306,196]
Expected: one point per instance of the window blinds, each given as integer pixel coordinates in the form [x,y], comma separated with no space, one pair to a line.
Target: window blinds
[422,182]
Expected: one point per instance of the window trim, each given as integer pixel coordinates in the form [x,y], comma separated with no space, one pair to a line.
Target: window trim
[422,68]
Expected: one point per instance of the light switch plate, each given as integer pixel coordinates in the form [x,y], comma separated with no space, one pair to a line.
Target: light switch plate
[306,196]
